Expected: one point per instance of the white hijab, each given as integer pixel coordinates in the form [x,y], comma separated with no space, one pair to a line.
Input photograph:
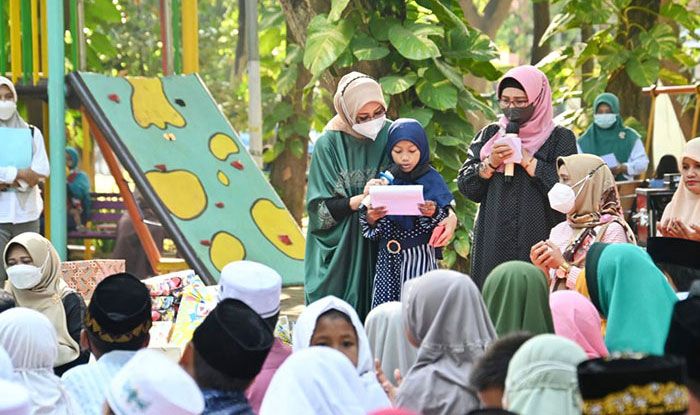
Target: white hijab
[15,121]
[316,381]
[304,330]
[30,340]
[387,339]
[6,368]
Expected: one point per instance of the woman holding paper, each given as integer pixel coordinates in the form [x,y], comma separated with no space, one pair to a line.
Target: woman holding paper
[21,169]
[514,213]
[621,147]
[350,152]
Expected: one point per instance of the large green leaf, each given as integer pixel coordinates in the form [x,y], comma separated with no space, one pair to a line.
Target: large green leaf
[326,42]
[337,8]
[395,84]
[461,246]
[423,115]
[469,45]
[412,42]
[379,26]
[643,73]
[287,79]
[366,48]
[102,11]
[449,141]
[660,42]
[450,73]
[449,157]
[436,91]
[103,44]
[296,147]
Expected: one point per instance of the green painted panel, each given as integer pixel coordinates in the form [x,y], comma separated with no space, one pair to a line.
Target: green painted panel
[192,159]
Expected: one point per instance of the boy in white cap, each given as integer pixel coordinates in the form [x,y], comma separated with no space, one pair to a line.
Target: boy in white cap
[260,287]
[151,384]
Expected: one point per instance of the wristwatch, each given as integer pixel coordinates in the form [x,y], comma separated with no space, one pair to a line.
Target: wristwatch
[563,270]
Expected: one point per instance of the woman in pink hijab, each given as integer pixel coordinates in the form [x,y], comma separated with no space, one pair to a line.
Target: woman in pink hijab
[509,177]
[577,319]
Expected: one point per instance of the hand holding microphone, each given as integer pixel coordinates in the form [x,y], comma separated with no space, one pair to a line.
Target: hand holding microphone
[512,130]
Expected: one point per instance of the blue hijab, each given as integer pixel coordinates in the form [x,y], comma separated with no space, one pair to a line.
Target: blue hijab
[434,187]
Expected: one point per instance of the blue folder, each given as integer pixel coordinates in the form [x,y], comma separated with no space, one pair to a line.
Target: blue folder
[15,147]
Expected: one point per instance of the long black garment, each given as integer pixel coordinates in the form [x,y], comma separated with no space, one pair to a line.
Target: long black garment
[512,216]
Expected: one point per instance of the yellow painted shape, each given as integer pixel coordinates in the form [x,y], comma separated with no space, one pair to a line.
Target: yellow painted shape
[169,186]
[225,248]
[151,106]
[274,222]
[222,145]
[223,178]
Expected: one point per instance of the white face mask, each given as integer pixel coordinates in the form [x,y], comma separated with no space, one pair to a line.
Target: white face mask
[562,197]
[370,129]
[7,109]
[24,276]
[604,121]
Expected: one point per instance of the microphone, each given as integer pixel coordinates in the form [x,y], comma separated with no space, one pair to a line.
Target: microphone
[512,130]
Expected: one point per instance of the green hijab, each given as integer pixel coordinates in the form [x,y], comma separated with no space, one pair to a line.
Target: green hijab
[617,139]
[633,294]
[517,298]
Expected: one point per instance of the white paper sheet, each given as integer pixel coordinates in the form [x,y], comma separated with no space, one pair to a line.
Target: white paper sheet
[515,144]
[399,200]
[610,160]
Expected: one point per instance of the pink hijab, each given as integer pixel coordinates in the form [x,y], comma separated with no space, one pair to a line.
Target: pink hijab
[577,319]
[538,129]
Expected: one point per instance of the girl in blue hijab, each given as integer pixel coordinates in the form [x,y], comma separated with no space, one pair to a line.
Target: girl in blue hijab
[404,241]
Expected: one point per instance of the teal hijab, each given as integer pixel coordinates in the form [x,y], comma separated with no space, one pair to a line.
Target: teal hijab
[617,139]
[633,294]
[517,297]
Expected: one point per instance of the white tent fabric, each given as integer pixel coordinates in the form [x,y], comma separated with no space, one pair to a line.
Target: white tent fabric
[668,136]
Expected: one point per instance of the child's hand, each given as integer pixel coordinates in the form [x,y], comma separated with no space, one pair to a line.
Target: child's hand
[374,182]
[374,214]
[428,208]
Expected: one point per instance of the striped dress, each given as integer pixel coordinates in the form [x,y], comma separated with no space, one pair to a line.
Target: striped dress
[403,253]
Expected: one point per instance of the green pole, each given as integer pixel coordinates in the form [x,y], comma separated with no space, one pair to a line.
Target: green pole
[3,56]
[57,136]
[74,34]
[177,36]
[27,66]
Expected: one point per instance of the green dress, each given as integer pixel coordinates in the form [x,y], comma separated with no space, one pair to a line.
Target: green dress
[339,260]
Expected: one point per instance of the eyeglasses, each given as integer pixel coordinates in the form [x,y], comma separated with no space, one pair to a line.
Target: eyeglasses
[505,103]
[364,118]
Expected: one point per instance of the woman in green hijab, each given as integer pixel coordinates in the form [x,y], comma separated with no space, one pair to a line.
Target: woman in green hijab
[517,298]
[632,294]
[339,261]
[621,147]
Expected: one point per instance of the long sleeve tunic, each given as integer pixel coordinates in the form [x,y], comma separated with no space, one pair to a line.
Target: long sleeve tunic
[512,216]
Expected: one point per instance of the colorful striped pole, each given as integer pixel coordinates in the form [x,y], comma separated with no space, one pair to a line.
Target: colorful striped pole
[57,126]
[176,22]
[35,42]
[44,41]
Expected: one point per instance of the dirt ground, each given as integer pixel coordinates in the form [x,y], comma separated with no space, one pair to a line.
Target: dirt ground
[292,302]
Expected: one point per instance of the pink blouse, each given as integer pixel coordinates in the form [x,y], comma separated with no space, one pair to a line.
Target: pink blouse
[562,234]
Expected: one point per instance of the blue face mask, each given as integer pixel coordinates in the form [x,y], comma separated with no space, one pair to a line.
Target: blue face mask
[604,121]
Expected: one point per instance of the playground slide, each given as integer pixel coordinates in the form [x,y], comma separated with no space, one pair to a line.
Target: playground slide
[190,165]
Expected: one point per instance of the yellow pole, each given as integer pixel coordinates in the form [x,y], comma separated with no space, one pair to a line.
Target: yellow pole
[35,42]
[88,162]
[190,37]
[15,40]
[44,41]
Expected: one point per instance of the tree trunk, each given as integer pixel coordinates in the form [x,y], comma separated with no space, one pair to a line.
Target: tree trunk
[588,66]
[540,12]
[495,13]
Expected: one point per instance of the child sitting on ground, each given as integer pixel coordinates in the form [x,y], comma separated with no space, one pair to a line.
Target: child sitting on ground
[405,251]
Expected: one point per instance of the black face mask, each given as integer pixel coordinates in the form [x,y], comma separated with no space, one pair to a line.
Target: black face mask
[519,115]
